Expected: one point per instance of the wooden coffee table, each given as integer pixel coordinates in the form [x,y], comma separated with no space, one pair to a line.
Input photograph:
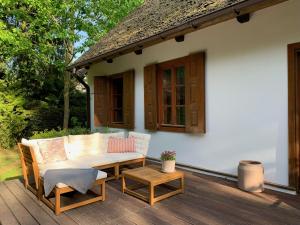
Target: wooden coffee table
[151,177]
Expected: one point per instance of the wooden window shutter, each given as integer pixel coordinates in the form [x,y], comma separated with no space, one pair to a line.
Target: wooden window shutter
[150,97]
[195,94]
[101,101]
[128,99]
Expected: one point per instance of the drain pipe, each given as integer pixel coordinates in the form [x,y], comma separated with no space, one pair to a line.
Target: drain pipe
[88,98]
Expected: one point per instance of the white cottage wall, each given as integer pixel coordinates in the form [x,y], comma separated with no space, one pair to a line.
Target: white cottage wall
[246,92]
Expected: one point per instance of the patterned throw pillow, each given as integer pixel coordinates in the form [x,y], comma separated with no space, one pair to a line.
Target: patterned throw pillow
[121,145]
[52,150]
[141,142]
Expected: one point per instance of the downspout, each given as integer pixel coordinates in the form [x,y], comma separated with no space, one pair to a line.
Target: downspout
[88,98]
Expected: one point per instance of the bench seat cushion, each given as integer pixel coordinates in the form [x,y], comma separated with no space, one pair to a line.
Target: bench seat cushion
[89,161]
[121,157]
[109,158]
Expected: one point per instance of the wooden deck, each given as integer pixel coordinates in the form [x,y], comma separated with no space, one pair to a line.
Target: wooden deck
[207,201]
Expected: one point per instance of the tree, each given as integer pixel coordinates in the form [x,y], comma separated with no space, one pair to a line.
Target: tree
[13,116]
[39,39]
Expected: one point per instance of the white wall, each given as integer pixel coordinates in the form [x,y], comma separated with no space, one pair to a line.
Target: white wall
[246,92]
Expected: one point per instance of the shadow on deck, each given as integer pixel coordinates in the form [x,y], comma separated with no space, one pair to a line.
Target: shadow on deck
[207,200]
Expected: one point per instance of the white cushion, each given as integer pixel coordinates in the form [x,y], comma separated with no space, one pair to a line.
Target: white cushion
[121,157]
[60,165]
[80,145]
[89,161]
[141,142]
[34,145]
[36,149]
[93,161]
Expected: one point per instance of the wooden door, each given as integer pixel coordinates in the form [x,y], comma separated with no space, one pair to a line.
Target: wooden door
[294,114]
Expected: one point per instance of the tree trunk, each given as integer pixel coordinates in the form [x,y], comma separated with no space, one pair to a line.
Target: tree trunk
[67,81]
[69,46]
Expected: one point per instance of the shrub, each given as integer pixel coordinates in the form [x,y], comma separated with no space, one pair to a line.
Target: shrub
[45,118]
[13,117]
[59,133]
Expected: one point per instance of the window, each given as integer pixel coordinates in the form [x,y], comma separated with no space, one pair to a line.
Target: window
[117,100]
[114,100]
[175,95]
[171,95]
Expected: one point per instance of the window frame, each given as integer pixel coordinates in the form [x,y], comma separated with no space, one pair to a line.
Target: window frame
[111,102]
[161,67]
[103,100]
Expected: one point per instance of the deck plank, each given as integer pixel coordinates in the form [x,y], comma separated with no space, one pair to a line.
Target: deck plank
[20,213]
[249,206]
[36,211]
[206,201]
[6,216]
[114,209]
[61,219]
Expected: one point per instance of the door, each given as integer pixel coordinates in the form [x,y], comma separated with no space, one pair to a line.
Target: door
[294,114]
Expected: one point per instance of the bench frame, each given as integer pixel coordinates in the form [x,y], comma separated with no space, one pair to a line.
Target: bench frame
[30,168]
[117,166]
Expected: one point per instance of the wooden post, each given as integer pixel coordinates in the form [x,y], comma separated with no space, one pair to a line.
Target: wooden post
[57,201]
[40,189]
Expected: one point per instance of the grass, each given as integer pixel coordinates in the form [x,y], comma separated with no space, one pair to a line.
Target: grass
[10,166]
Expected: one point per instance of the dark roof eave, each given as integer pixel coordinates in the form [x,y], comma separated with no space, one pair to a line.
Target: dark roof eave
[198,23]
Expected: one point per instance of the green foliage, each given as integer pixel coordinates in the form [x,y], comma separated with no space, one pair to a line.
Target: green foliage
[36,36]
[36,39]
[106,130]
[13,116]
[168,155]
[75,122]
[59,133]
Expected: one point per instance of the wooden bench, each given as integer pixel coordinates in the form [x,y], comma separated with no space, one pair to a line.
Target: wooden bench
[31,170]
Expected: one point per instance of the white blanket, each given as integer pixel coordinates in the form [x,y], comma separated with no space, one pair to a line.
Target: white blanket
[79,179]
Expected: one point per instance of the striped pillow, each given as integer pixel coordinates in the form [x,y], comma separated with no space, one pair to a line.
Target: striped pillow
[121,145]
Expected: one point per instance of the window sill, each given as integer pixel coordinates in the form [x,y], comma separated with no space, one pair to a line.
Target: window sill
[118,125]
[172,128]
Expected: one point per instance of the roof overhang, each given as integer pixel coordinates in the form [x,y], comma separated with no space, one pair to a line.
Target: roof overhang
[216,17]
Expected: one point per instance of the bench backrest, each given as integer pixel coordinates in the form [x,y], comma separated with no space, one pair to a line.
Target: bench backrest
[29,166]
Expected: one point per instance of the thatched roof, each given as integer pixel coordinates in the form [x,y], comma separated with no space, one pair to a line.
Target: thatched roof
[153,18]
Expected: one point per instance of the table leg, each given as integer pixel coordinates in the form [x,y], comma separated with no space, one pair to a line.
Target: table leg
[182,184]
[117,172]
[123,184]
[151,194]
